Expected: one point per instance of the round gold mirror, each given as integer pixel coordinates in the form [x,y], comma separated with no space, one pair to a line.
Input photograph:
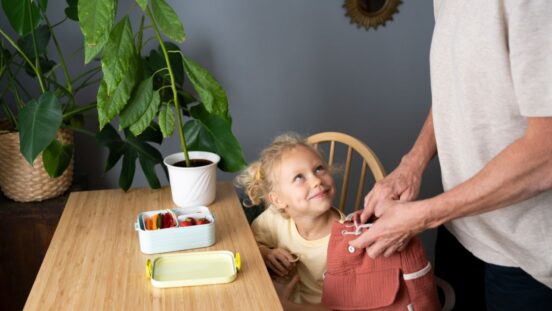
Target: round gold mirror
[371,13]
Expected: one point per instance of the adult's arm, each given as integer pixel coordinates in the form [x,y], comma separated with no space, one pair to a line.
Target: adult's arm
[521,171]
[403,183]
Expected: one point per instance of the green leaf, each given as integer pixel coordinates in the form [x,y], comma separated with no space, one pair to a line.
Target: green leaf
[143,149]
[109,138]
[119,54]
[211,94]
[210,132]
[5,58]
[46,65]
[39,121]
[149,171]
[131,148]
[96,19]
[72,11]
[141,109]
[110,105]
[22,15]
[138,104]
[42,36]
[166,120]
[155,61]
[121,69]
[56,158]
[127,170]
[143,4]
[113,157]
[186,98]
[167,20]
[176,61]
[138,127]
[43,4]
[152,133]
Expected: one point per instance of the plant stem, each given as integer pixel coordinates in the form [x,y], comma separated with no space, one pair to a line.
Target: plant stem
[18,100]
[163,87]
[173,86]
[62,60]
[59,86]
[80,130]
[97,69]
[12,79]
[87,83]
[140,35]
[79,110]
[37,58]
[25,57]
[9,113]
[60,22]
[158,71]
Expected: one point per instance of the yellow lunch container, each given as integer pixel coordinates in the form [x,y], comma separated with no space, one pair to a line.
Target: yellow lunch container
[191,269]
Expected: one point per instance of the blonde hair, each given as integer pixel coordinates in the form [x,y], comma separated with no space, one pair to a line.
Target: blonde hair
[257,179]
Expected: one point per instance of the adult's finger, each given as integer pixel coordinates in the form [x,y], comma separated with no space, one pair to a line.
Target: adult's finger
[377,249]
[364,240]
[403,245]
[408,194]
[369,205]
[392,249]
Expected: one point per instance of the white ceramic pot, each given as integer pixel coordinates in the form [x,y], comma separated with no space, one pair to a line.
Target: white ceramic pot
[193,186]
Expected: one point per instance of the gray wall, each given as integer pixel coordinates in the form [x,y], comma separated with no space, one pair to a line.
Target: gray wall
[301,66]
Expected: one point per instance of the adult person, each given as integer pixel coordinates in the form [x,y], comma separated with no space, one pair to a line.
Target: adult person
[491,125]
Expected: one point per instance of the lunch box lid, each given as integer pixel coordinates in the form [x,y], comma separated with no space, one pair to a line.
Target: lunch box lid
[196,268]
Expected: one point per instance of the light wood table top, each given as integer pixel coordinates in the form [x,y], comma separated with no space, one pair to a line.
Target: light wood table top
[94,260]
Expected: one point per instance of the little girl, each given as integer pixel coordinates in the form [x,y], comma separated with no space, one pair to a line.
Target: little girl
[292,179]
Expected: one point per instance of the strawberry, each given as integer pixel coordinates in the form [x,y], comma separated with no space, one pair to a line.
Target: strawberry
[202,221]
[187,222]
[165,221]
[171,221]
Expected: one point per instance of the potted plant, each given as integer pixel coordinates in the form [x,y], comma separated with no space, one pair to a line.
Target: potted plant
[36,138]
[147,92]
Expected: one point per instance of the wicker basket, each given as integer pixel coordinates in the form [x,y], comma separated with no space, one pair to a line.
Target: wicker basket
[22,182]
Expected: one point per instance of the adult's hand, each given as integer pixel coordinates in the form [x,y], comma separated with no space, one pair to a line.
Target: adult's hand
[397,224]
[401,184]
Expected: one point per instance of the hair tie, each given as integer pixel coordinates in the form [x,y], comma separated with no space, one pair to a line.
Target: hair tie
[258,174]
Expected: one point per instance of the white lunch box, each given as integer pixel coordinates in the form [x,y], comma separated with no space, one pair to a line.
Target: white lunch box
[176,238]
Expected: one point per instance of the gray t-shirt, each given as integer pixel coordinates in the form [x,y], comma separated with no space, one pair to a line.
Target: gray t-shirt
[491,68]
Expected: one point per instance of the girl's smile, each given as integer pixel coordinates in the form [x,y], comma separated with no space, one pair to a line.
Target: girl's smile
[320,195]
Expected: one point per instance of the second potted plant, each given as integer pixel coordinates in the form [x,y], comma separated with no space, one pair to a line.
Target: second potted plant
[38,117]
[146,93]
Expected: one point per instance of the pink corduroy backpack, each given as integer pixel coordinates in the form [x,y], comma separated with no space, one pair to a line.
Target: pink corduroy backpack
[354,281]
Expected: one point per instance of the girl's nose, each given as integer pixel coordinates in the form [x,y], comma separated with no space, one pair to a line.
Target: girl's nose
[315,181]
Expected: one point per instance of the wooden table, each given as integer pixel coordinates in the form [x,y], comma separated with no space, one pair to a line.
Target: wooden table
[94,260]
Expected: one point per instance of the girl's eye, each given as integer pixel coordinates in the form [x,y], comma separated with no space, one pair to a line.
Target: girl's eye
[320,169]
[298,177]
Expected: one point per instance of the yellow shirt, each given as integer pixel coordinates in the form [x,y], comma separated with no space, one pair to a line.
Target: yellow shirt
[274,230]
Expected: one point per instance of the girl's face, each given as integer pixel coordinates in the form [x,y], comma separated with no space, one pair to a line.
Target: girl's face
[303,185]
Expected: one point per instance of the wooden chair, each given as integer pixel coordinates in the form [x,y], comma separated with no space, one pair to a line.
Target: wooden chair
[353,146]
